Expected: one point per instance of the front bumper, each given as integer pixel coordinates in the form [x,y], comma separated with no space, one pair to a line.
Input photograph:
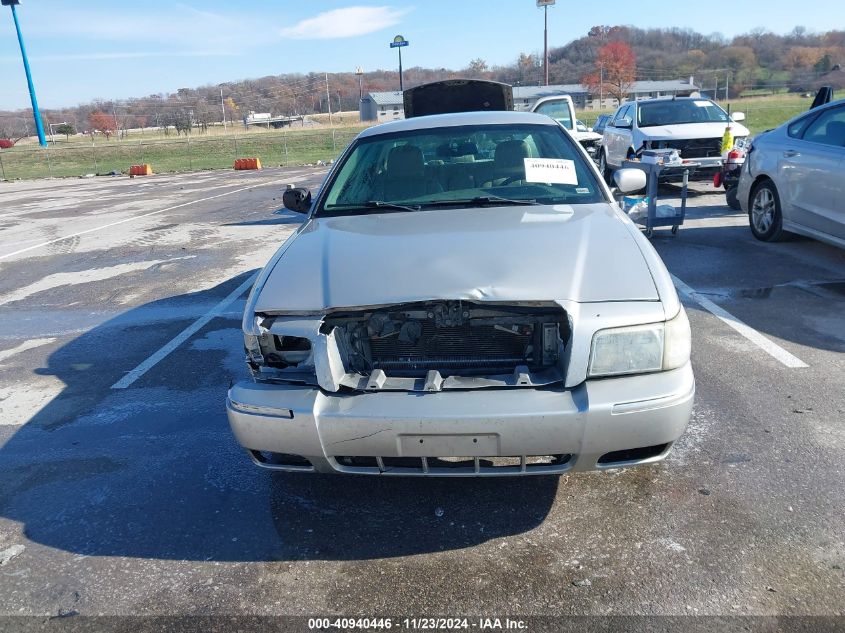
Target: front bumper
[604,423]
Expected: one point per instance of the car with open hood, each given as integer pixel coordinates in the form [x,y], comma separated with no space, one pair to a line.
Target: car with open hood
[464,297]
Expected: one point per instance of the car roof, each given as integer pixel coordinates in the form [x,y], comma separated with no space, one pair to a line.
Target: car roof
[458,119]
[667,99]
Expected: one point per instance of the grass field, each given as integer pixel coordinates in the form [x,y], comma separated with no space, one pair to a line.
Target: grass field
[295,146]
[762,113]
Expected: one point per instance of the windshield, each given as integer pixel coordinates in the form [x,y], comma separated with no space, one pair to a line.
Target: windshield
[463,166]
[680,112]
[558,110]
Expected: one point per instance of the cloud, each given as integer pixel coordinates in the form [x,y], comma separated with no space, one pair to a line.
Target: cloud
[347,22]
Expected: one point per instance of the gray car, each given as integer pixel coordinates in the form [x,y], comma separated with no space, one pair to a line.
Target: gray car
[793,180]
[464,298]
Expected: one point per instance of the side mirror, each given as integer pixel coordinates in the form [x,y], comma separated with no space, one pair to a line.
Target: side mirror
[297,199]
[737,117]
[625,122]
[629,180]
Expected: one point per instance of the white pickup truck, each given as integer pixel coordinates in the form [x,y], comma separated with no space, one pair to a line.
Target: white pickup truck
[562,110]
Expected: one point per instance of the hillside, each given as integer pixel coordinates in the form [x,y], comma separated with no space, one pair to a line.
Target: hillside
[758,62]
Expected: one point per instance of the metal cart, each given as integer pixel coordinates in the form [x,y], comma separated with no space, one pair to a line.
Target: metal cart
[653,172]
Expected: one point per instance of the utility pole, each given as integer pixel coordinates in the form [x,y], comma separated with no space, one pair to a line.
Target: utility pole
[222,107]
[545,4]
[727,83]
[329,100]
[116,124]
[716,90]
[36,113]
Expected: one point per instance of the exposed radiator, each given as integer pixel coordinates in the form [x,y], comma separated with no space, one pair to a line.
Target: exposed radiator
[459,347]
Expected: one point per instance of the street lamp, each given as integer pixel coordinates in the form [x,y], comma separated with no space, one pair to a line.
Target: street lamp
[545,4]
[39,127]
[399,42]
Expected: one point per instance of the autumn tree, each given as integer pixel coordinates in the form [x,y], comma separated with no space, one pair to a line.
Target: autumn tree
[232,109]
[67,129]
[477,68]
[616,71]
[102,122]
[528,67]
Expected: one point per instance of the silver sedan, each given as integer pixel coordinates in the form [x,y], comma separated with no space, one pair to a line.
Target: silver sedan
[793,180]
[465,298]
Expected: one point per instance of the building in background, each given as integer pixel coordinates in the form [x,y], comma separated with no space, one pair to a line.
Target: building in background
[524,97]
[388,106]
[382,106]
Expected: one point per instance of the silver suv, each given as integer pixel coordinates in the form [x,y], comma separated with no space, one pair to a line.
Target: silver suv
[693,126]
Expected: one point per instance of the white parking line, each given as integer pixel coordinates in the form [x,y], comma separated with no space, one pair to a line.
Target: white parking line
[143,215]
[183,336]
[772,349]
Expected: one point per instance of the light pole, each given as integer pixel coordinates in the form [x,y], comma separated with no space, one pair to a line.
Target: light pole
[545,4]
[360,73]
[400,42]
[39,127]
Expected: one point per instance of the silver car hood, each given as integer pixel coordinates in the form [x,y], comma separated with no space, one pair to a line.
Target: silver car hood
[582,253]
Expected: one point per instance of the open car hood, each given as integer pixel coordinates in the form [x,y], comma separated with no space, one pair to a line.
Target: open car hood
[457,95]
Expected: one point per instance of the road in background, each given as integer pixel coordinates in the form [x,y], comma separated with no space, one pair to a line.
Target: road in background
[139,501]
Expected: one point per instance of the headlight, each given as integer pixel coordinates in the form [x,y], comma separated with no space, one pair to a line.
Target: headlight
[270,350]
[641,348]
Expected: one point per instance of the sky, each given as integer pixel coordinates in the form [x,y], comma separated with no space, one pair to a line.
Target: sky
[115,49]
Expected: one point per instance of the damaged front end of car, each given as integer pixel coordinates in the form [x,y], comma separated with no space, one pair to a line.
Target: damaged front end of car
[421,346]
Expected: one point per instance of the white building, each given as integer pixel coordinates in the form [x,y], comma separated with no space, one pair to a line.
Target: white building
[382,106]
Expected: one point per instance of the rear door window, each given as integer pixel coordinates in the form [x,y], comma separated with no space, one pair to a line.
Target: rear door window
[828,128]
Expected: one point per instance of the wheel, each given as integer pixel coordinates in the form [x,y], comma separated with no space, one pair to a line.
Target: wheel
[604,170]
[732,199]
[764,214]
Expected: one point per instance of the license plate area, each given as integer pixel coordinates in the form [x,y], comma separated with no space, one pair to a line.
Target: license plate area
[470,445]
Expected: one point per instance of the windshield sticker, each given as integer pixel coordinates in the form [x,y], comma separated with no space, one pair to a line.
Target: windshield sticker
[702,104]
[558,171]
[582,190]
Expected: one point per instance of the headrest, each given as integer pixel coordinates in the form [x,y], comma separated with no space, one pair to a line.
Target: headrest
[511,154]
[405,161]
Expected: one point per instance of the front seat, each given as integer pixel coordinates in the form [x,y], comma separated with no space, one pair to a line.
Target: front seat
[509,163]
[405,175]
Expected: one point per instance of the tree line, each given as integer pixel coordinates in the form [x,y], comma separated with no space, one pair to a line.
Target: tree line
[798,61]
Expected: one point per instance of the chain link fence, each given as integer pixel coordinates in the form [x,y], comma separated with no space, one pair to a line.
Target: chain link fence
[79,158]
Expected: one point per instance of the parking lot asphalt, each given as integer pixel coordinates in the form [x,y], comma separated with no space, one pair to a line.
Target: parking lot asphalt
[138,500]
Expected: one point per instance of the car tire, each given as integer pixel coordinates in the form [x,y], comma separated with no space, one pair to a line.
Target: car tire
[764,213]
[604,170]
[732,199]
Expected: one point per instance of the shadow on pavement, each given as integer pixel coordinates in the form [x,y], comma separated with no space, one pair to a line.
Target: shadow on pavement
[154,472]
[353,518]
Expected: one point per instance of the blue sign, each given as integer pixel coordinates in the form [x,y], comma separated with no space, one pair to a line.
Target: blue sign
[398,44]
